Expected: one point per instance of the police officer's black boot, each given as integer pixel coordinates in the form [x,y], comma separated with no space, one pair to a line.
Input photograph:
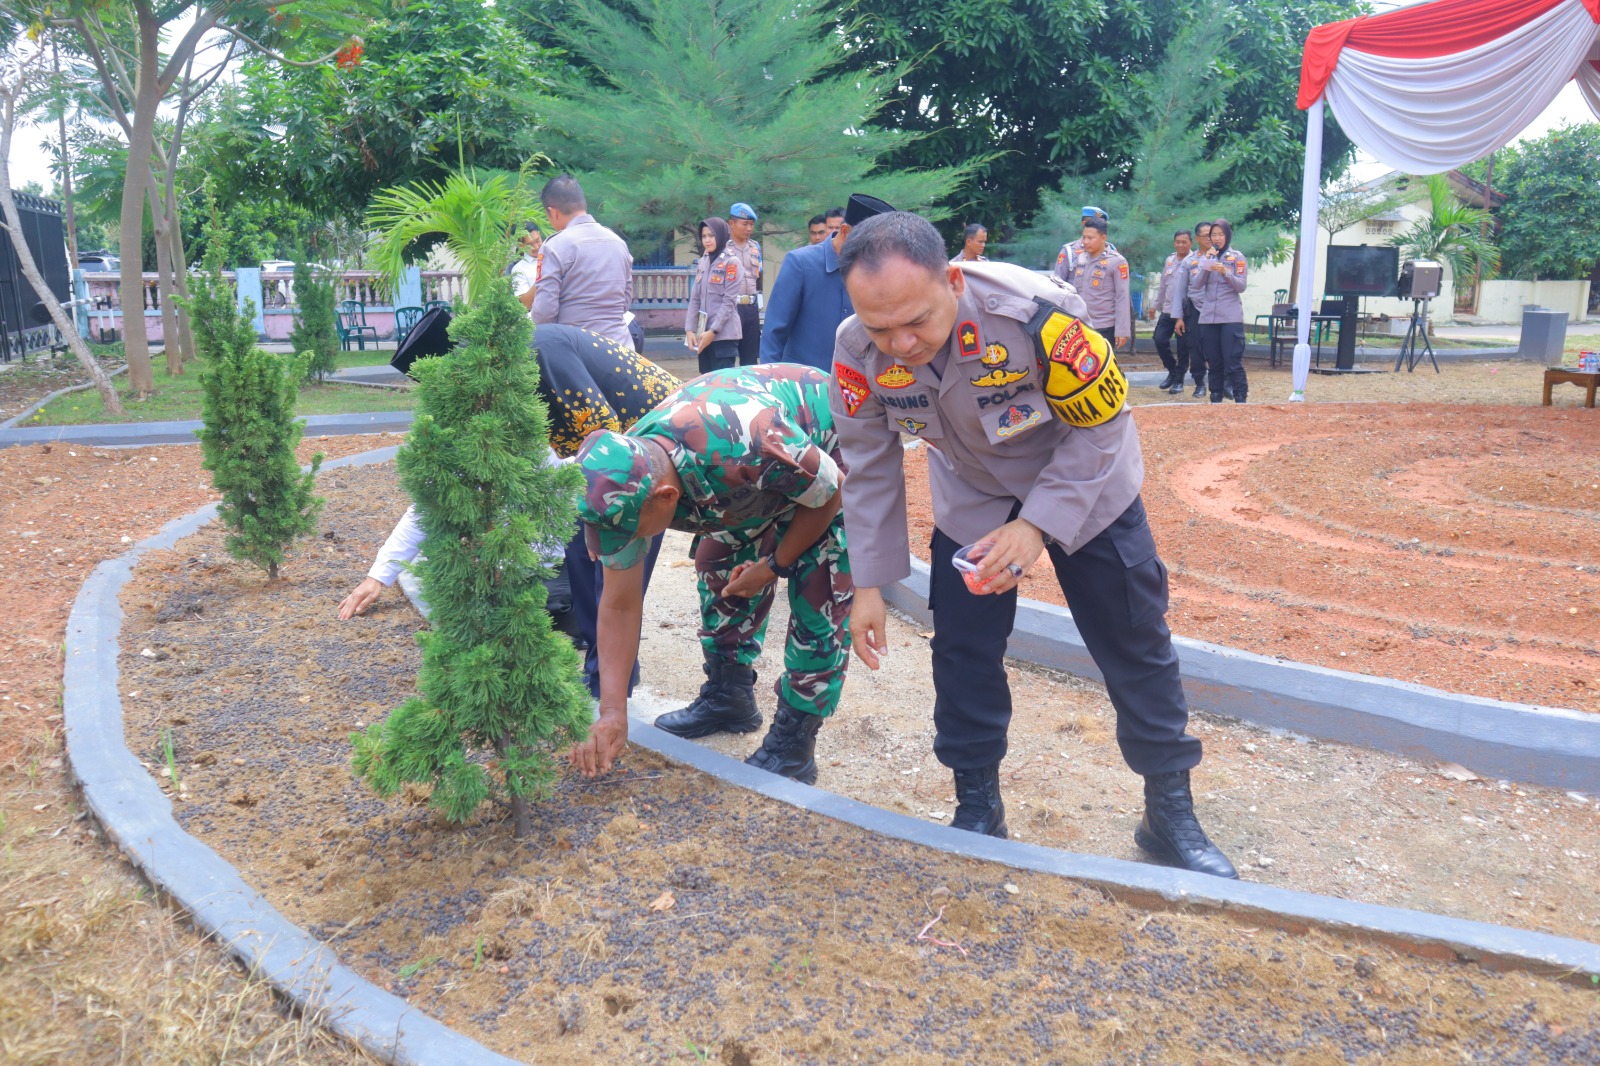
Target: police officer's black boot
[1171,832]
[978,804]
[790,747]
[726,704]
[1166,382]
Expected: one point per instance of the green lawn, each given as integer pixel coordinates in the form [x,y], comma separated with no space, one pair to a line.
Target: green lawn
[177,399]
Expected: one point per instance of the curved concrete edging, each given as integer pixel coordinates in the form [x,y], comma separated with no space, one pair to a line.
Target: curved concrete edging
[1516,741]
[142,434]
[138,816]
[11,422]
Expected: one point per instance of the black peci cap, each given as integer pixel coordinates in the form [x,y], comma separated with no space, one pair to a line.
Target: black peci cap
[862,207]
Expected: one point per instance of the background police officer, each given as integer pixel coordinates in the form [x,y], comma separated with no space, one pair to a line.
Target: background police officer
[586,271]
[972,359]
[1100,274]
[741,224]
[1172,314]
[1188,293]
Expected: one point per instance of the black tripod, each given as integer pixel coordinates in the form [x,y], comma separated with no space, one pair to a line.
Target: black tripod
[1417,331]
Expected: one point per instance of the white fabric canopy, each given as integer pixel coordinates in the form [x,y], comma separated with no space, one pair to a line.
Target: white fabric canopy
[1431,87]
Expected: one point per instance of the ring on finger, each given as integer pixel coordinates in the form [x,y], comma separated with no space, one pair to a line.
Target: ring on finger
[1016,571]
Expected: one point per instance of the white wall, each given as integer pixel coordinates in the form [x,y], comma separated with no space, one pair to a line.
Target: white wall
[1502,301]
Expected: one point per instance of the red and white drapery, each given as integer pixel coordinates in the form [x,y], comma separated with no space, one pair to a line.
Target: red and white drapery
[1430,87]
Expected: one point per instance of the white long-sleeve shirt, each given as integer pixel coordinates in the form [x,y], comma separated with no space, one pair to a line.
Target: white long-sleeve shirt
[405,543]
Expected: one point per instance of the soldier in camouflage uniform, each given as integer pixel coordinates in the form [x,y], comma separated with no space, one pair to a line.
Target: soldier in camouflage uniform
[747,460]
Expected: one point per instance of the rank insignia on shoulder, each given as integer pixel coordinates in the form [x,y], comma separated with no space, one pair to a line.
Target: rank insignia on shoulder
[896,377]
[1122,268]
[967,339]
[998,378]
[853,387]
[911,425]
[995,354]
[1082,381]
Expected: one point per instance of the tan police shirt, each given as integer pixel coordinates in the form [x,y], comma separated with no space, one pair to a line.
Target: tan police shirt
[990,436]
[586,280]
[1222,278]
[1102,281]
[749,255]
[715,286]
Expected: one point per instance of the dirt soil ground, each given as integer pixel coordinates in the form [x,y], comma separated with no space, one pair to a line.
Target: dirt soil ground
[616,931]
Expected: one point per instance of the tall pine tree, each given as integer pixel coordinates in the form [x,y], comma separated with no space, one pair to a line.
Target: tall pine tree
[250,433]
[1175,180]
[496,676]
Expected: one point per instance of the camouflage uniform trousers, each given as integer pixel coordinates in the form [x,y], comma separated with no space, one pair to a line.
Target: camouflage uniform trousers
[820,594]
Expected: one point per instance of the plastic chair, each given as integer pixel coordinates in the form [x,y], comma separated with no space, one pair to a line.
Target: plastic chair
[431,304]
[405,320]
[353,325]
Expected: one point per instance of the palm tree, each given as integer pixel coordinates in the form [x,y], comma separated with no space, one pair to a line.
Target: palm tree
[1452,234]
[474,217]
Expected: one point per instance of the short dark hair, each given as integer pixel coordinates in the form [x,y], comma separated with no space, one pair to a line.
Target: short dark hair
[973,229]
[564,194]
[1091,222]
[894,234]
[1181,233]
[833,212]
[817,220]
[1198,226]
[1227,228]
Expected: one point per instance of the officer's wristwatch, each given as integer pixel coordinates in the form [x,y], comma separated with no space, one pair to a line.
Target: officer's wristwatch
[781,571]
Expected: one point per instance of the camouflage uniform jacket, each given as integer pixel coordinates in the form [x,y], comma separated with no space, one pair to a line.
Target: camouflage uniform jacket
[751,445]
[991,438]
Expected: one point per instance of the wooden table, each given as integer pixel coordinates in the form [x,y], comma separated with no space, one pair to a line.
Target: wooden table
[1588,380]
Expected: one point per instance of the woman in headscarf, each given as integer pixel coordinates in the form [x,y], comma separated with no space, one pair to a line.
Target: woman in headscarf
[711,326]
[1223,275]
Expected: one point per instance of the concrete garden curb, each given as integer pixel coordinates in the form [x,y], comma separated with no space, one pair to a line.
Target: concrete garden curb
[11,422]
[138,817]
[142,434]
[1516,741]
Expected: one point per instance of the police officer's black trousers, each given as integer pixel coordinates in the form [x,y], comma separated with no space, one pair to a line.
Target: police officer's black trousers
[718,355]
[750,343]
[1164,337]
[588,581]
[1191,338]
[1224,343]
[1116,588]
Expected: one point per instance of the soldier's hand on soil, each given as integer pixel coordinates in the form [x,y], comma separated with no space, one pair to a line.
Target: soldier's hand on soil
[607,737]
[747,579]
[868,626]
[361,597]
[1016,544]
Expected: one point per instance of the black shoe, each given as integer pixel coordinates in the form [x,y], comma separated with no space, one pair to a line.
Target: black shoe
[1238,396]
[1171,832]
[1199,391]
[726,704]
[1176,387]
[1217,398]
[1166,382]
[790,747]
[978,804]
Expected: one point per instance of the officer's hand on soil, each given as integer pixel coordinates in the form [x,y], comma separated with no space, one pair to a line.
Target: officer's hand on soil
[361,597]
[607,737]
[747,579]
[868,625]
[1018,544]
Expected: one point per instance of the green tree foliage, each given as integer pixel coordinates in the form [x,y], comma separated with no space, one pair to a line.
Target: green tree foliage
[1452,234]
[472,216]
[440,84]
[495,675]
[696,103]
[249,433]
[1177,180]
[316,322]
[1053,83]
[1550,224]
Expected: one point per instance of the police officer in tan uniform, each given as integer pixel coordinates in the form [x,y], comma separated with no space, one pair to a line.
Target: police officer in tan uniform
[741,224]
[1223,274]
[1167,335]
[711,325]
[1100,274]
[1029,450]
[586,272]
[1187,295]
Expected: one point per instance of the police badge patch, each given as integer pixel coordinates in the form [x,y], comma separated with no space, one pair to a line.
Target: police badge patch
[853,387]
[997,378]
[911,425]
[995,354]
[896,377]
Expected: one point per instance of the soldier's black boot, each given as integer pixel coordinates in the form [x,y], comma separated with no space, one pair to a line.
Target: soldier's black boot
[790,747]
[1166,382]
[1171,832]
[978,804]
[726,704]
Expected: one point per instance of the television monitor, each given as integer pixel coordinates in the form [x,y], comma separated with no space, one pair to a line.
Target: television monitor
[1362,270]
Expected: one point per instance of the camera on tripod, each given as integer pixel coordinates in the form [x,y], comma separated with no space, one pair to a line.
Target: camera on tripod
[1419,279]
